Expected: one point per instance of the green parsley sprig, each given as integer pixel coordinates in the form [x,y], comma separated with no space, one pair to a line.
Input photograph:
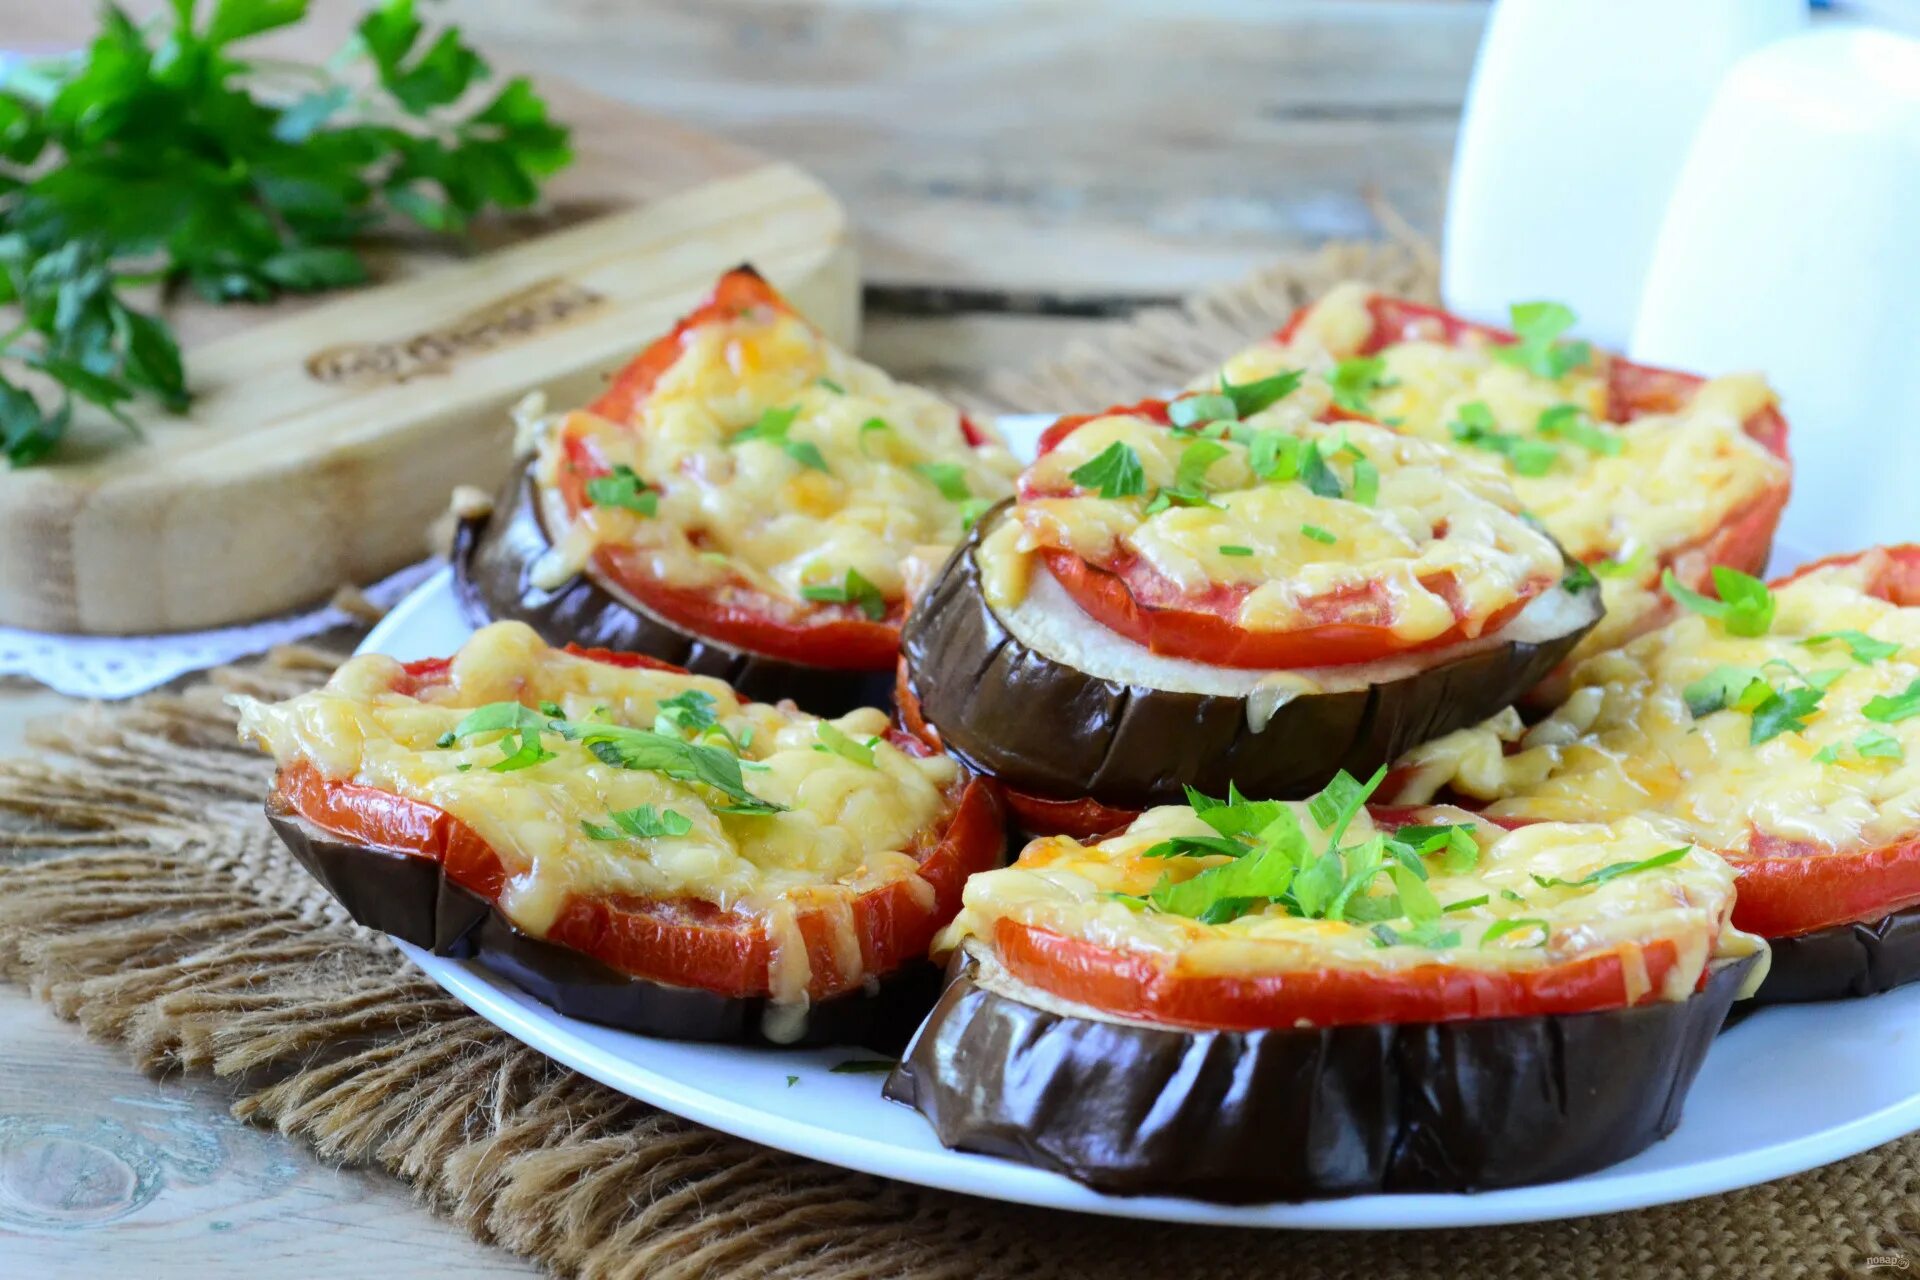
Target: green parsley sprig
[161,156]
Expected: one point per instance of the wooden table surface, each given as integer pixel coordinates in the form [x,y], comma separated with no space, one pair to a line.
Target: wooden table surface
[1017,170]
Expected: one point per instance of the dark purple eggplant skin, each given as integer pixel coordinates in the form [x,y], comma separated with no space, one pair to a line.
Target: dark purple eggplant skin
[1844,961]
[1245,1117]
[493,559]
[1053,731]
[407,897]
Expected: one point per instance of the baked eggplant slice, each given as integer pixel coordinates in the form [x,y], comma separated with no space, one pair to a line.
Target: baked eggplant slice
[1272,1001]
[633,844]
[1313,597]
[1778,725]
[1635,470]
[738,502]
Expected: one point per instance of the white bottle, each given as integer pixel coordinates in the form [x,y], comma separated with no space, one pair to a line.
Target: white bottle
[1576,123]
[1792,247]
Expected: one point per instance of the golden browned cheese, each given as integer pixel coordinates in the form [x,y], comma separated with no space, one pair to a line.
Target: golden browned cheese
[1070,888]
[1674,478]
[847,827]
[864,470]
[1626,741]
[1433,518]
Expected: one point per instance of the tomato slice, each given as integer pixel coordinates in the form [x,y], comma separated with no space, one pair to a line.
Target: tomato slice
[1138,986]
[736,293]
[1350,627]
[684,942]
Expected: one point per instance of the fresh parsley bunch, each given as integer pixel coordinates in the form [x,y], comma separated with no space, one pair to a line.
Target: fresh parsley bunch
[159,157]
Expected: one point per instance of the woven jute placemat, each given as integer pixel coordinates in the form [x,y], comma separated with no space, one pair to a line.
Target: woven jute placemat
[142,895]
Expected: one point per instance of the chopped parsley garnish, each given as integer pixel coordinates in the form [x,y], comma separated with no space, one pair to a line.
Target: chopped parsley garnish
[1190,475]
[1864,648]
[691,711]
[854,590]
[1537,327]
[622,488]
[1114,472]
[1613,871]
[1871,745]
[773,426]
[643,823]
[1459,851]
[1189,412]
[1774,711]
[1578,578]
[1745,606]
[1430,935]
[1231,549]
[1629,567]
[831,385]
[1251,397]
[1726,687]
[1354,380]
[950,478]
[1366,482]
[836,741]
[1567,422]
[863,1066]
[1890,710]
[1783,711]
[1467,904]
[1273,455]
[1513,924]
[971,510]
[1475,426]
[1318,534]
[1319,477]
[870,426]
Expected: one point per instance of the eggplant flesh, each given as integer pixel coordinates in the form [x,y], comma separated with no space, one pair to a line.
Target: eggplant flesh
[1006,706]
[1844,960]
[1242,1117]
[494,555]
[408,897]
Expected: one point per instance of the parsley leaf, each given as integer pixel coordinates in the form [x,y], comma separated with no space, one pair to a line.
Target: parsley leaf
[854,590]
[773,427]
[690,710]
[1616,567]
[1864,648]
[1319,477]
[643,823]
[1741,688]
[1190,475]
[1513,924]
[1251,397]
[622,488]
[1475,426]
[1745,606]
[1783,711]
[1537,327]
[1115,472]
[1196,410]
[1567,422]
[1318,534]
[1578,578]
[1233,549]
[950,478]
[1613,871]
[1890,710]
[833,739]
[1355,379]
[669,756]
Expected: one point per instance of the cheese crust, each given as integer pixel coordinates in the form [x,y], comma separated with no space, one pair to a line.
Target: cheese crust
[1069,888]
[1626,741]
[860,470]
[1673,478]
[847,827]
[1279,545]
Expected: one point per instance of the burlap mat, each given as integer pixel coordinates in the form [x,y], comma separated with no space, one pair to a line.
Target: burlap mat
[142,895]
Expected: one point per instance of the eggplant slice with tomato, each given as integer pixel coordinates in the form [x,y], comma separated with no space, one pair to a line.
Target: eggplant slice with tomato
[1635,470]
[1248,1001]
[632,844]
[738,502]
[1778,725]
[1215,592]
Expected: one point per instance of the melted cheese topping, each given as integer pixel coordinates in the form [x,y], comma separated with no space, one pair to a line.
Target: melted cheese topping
[754,510]
[848,828]
[1675,478]
[1625,742]
[1433,518]
[1063,886]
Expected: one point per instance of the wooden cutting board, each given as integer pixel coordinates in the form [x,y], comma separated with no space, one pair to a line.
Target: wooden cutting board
[326,434]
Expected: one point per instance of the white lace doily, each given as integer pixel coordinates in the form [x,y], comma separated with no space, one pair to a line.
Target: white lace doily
[121,666]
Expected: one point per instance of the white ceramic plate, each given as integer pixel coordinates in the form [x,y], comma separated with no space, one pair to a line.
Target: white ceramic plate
[1783,1091]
